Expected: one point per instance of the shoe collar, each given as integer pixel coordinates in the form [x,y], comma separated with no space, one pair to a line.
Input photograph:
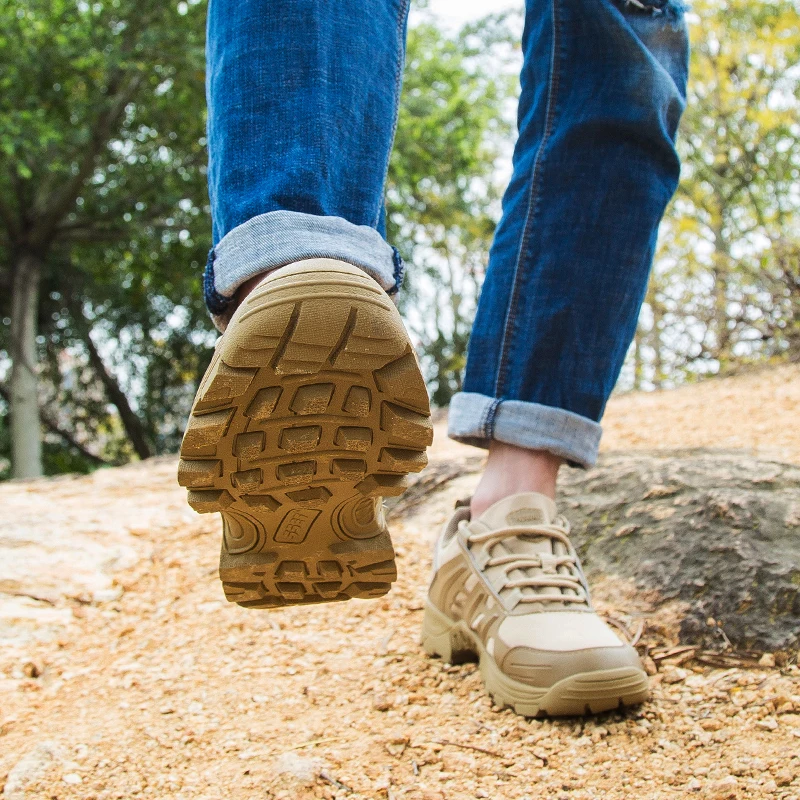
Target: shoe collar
[525,508]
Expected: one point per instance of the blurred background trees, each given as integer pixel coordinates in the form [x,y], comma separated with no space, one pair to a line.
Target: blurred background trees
[104,221]
[443,191]
[725,290]
[102,227]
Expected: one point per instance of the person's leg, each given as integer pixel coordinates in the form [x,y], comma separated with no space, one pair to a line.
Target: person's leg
[302,105]
[510,470]
[603,88]
[313,407]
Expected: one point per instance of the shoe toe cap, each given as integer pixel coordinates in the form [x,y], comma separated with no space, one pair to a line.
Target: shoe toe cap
[542,649]
[544,668]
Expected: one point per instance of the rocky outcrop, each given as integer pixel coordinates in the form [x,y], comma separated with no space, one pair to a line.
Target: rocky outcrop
[717,530]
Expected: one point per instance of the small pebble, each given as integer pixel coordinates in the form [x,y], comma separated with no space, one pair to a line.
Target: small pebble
[649,665]
[30,669]
[769,724]
[382,702]
[725,789]
[674,674]
[783,777]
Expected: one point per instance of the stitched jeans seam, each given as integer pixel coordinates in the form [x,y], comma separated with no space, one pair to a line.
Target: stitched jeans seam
[533,200]
[487,424]
[398,84]
[216,302]
[399,272]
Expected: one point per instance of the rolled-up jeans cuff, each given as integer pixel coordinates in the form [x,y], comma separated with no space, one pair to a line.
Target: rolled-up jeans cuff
[278,238]
[476,419]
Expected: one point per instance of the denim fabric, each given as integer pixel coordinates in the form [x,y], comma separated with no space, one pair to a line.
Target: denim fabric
[278,238]
[302,106]
[603,88]
[303,98]
[537,427]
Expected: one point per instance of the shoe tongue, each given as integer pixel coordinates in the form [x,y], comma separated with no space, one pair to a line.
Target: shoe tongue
[519,510]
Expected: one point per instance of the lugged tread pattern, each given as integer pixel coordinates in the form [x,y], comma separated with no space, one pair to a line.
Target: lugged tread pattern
[311,411]
[204,436]
[302,581]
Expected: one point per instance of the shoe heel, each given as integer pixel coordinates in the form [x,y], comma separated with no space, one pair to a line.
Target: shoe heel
[312,410]
[443,638]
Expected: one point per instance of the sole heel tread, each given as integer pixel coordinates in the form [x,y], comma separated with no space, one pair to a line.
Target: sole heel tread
[313,409]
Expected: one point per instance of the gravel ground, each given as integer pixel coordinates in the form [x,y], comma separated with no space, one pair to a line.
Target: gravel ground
[160,689]
[755,411]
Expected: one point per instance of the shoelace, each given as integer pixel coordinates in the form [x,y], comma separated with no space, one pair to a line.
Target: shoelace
[557,531]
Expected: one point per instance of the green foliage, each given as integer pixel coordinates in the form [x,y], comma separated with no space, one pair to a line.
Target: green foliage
[102,177]
[102,174]
[726,289]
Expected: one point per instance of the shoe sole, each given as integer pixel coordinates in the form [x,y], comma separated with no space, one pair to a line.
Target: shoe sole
[312,409]
[577,695]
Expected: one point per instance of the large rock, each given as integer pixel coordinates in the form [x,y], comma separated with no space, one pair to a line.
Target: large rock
[65,540]
[717,530]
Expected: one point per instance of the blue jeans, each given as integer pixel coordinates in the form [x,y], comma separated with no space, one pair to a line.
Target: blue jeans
[303,98]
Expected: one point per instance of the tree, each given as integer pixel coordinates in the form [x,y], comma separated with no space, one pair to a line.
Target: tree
[443,191]
[726,288]
[119,337]
[100,176]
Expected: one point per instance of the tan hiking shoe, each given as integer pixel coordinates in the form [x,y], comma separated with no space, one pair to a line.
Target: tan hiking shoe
[508,587]
[312,409]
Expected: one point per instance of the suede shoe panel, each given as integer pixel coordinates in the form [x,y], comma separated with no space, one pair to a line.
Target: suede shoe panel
[546,667]
[509,588]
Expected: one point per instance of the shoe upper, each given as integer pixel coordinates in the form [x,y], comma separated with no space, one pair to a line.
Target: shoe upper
[512,577]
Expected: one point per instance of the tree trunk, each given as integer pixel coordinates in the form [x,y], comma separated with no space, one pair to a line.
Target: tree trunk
[26,439]
[658,355]
[638,364]
[721,332]
[130,421]
[51,426]
[132,424]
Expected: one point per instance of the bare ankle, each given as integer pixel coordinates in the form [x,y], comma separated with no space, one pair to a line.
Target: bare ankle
[511,470]
[241,293]
[249,285]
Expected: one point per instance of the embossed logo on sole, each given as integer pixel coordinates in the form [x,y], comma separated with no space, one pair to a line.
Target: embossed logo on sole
[295,525]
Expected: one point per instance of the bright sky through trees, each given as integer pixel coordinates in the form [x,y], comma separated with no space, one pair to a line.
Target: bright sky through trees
[457,12]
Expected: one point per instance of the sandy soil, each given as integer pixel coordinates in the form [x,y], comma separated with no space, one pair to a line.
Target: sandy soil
[129,676]
[756,411]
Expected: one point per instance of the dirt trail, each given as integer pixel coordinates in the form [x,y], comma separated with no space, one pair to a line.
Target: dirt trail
[756,411]
[123,673]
